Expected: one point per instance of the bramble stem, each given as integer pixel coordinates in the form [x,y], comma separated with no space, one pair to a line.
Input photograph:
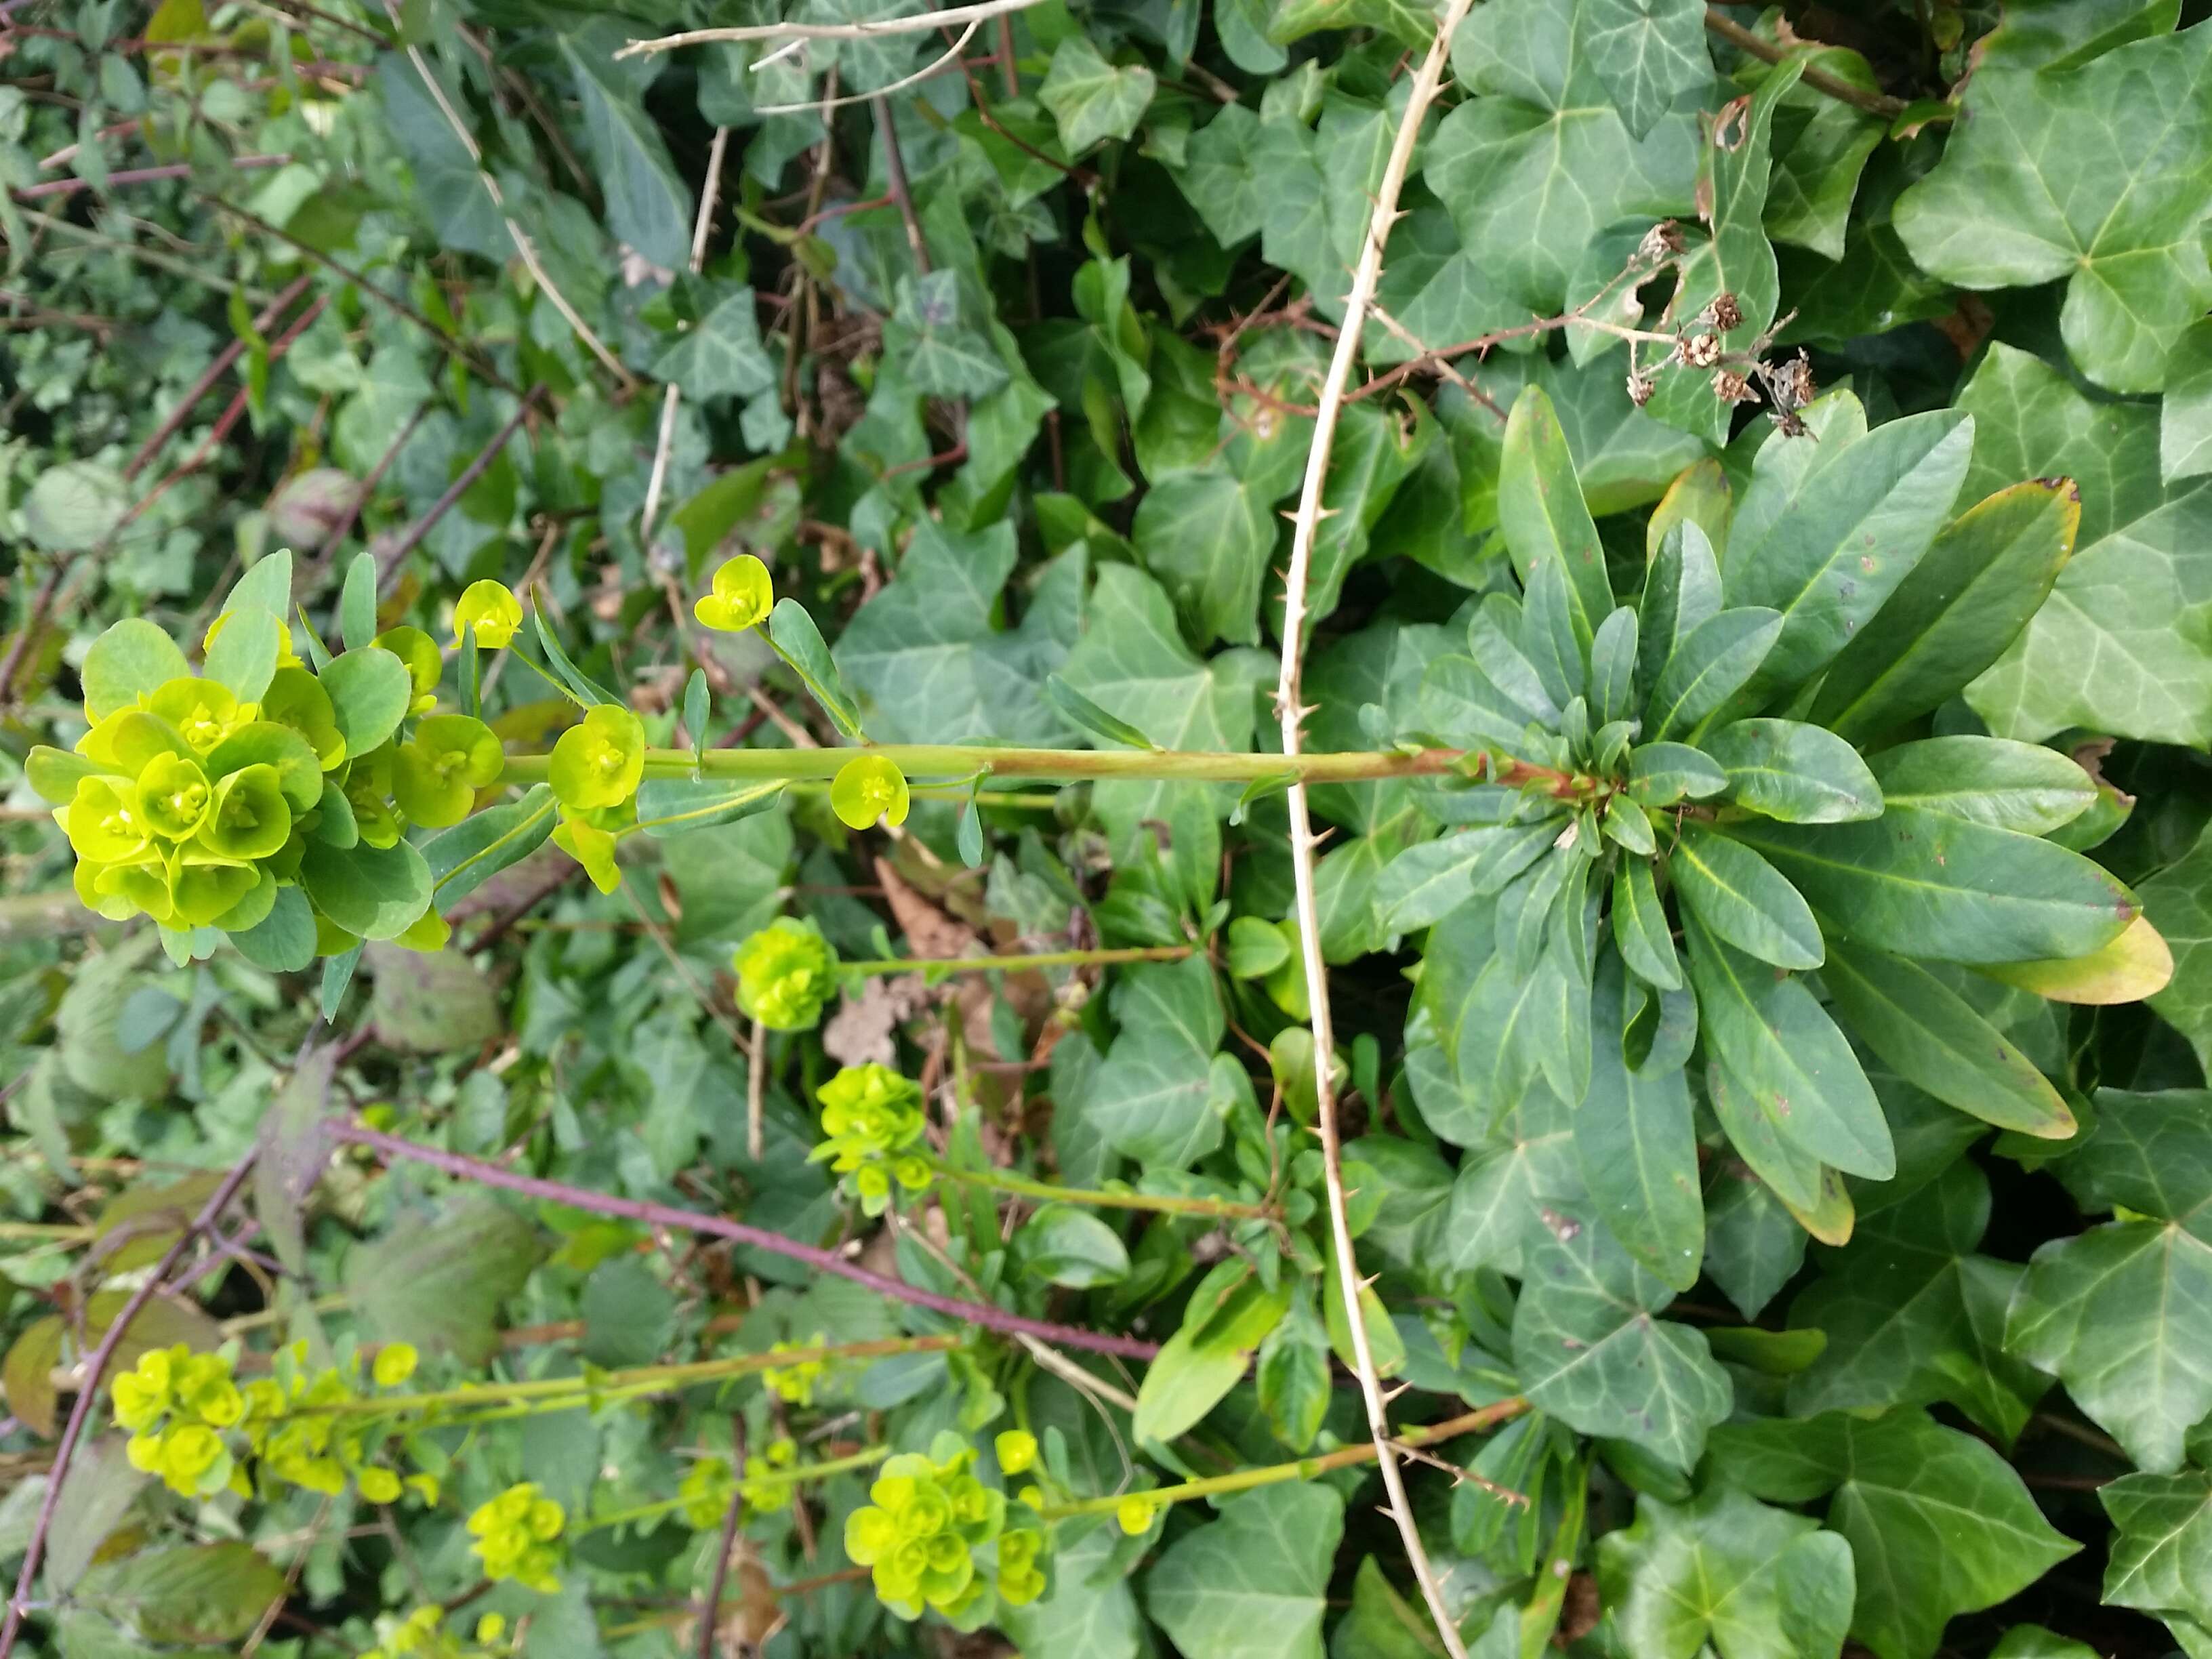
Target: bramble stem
[1305,1468]
[989,1316]
[928,760]
[1005,1181]
[1015,964]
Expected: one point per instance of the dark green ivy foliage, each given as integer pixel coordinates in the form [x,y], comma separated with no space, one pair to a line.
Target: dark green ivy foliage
[1744,1044]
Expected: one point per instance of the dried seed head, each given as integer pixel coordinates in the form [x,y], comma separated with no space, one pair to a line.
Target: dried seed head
[1699,350]
[1640,388]
[1725,314]
[1731,387]
[1662,241]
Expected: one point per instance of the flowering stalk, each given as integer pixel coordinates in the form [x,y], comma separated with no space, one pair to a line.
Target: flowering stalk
[928,760]
[1015,964]
[571,1391]
[1305,1468]
[866,1458]
[1005,1181]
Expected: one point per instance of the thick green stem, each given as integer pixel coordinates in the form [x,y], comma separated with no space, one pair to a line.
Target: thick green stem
[928,760]
[1306,1468]
[582,1390]
[1015,964]
[1003,1181]
[800,1472]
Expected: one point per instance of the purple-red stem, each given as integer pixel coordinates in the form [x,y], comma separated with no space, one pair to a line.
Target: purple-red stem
[662,1215]
[140,176]
[88,1390]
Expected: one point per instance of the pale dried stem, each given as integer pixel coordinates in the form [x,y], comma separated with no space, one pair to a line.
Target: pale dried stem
[515,233]
[935,66]
[666,443]
[870,28]
[1291,713]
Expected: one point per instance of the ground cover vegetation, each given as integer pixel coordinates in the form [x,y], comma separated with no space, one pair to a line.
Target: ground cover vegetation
[1251,830]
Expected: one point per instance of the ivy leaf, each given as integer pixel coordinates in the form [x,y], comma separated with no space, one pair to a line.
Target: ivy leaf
[1252,1584]
[1821,144]
[1409,23]
[1648,53]
[1132,663]
[649,205]
[1913,1315]
[2161,1558]
[1937,1521]
[929,661]
[2123,1313]
[1589,1353]
[1090,98]
[720,355]
[2117,648]
[1153,1097]
[2184,418]
[1219,179]
[1541,161]
[1736,259]
[2099,174]
[1725,1572]
[1208,537]
[941,351]
[2178,903]
[1090,1612]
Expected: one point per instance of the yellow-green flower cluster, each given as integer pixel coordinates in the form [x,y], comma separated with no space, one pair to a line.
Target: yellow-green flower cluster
[926,1518]
[187,1415]
[195,798]
[744,594]
[785,973]
[422,1635]
[706,1488]
[178,1404]
[868,787]
[795,1382]
[517,1534]
[870,1117]
[596,768]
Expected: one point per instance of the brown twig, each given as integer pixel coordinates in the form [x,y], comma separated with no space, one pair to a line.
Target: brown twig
[661,1215]
[895,174]
[1873,103]
[140,176]
[388,560]
[392,302]
[213,372]
[710,1613]
[95,1367]
[352,516]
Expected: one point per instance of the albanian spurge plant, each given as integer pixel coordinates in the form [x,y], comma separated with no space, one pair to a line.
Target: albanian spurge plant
[1693,855]
[1224,883]
[1690,768]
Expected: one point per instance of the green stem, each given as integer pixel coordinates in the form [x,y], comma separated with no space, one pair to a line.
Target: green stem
[1014,963]
[1001,1180]
[860,1460]
[1306,1468]
[924,760]
[610,1384]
